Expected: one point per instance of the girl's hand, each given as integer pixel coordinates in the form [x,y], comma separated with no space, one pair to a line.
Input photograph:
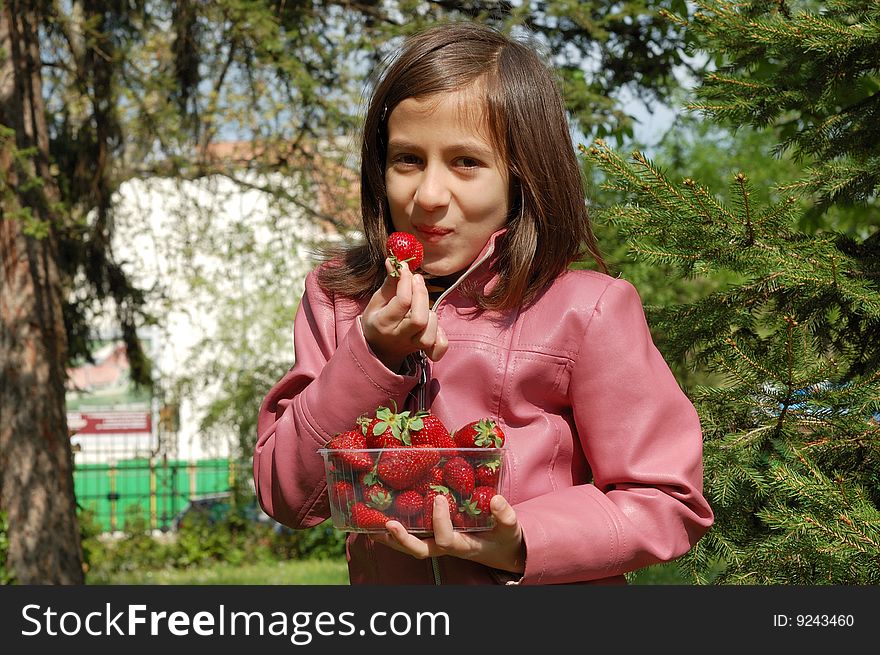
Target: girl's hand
[398,321]
[502,547]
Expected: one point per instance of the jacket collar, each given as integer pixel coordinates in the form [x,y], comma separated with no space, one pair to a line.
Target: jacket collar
[484,256]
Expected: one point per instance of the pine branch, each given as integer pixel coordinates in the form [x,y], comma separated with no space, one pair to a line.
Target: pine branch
[788,334]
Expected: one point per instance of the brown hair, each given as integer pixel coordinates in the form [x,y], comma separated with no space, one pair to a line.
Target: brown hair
[548,224]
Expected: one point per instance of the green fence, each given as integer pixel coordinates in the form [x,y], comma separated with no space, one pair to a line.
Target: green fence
[155,491]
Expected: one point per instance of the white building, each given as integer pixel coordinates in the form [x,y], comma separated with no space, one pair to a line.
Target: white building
[224,261]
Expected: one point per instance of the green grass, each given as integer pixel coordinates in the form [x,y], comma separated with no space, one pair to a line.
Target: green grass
[305,572]
[296,572]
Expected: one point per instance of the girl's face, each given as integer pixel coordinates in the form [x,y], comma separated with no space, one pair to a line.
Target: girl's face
[446,183]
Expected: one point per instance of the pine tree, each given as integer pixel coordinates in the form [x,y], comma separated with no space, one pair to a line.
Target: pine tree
[94,93]
[791,434]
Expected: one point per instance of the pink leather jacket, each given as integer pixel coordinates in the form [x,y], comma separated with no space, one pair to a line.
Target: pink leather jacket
[605,450]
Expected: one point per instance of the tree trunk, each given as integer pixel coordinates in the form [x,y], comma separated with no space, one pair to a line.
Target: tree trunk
[36,464]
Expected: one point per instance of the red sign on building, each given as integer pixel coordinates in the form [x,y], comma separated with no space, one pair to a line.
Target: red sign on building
[110,422]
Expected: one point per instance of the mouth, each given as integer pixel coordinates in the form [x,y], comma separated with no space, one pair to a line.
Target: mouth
[432,233]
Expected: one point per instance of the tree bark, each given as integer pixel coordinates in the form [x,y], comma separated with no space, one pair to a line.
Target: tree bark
[36,463]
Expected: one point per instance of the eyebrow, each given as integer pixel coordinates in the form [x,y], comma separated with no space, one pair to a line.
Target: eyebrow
[467,146]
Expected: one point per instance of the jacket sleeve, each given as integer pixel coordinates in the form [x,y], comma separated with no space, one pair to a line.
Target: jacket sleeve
[329,386]
[642,439]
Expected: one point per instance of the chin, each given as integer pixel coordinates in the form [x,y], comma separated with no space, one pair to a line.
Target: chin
[433,269]
[444,266]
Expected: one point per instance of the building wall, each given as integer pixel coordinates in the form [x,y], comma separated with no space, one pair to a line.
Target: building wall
[224,264]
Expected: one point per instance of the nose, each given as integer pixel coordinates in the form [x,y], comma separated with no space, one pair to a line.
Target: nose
[433,190]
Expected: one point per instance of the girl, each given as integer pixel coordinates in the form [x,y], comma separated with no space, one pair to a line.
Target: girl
[466,146]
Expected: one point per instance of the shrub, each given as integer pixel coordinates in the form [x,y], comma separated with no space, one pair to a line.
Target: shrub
[203,540]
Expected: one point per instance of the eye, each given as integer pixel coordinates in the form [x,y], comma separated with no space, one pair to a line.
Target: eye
[405,160]
[467,162]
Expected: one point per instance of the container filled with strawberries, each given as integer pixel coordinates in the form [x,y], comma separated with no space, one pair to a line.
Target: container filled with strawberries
[392,464]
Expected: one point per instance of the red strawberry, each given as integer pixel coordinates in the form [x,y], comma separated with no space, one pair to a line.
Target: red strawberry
[364,516]
[463,520]
[484,433]
[342,494]
[348,443]
[367,478]
[409,503]
[434,475]
[427,456]
[404,247]
[373,491]
[459,476]
[425,428]
[377,496]
[428,513]
[487,473]
[388,429]
[481,497]
[475,510]
[401,468]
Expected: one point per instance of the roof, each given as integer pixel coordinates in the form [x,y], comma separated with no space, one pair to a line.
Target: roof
[334,182]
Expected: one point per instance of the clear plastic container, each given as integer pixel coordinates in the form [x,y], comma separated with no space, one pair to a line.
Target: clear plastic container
[372,486]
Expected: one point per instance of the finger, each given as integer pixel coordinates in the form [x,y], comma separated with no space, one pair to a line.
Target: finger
[398,537]
[440,345]
[505,515]
[384,294]
[419,311]
[425,338]
[395,311]
[443,531]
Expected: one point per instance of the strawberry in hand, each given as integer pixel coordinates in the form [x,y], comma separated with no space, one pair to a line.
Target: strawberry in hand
[403,248]
[397,320]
